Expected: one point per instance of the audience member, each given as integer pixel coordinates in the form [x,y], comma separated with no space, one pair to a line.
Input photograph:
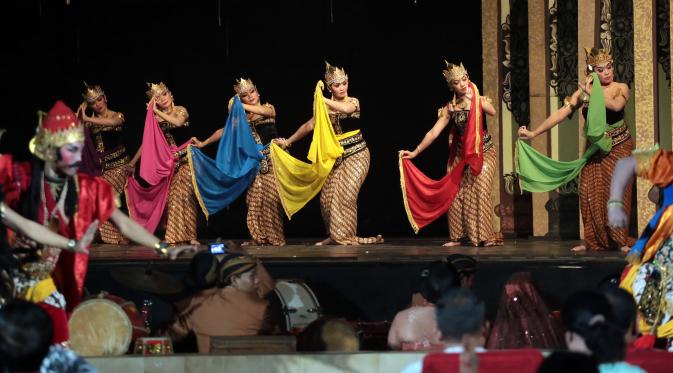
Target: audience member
[328,334]
[237,307]
[416,327]
[591,329]
[466,267]
[566,361]
[460,317]
[625,312]
[26,332]
[523,319]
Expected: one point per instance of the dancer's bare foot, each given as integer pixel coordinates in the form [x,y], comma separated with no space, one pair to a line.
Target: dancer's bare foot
[326,241]
[451,244]
[625,249]
[247,243]
[579,248]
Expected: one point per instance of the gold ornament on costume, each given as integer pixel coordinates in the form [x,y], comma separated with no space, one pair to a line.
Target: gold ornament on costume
[596,57]
[244,86]
[92,93]
[453,72]
[156,89]
[334,75]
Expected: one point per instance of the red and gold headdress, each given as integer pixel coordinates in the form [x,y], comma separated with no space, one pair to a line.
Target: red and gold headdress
[243,86]
[156,89]
[596,57]
[334,74]
[453,71]
[59,127]
[92,93]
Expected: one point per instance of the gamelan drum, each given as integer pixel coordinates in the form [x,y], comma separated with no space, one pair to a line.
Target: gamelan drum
[300,306]
[153,346]
[105,325]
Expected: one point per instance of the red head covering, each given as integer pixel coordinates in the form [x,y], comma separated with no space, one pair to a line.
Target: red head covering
[60,126]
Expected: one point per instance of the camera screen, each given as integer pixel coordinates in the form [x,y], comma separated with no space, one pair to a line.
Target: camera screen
[217,248]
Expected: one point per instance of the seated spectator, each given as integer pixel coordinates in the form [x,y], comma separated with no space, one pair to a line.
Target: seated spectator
[625,312]
[237,307]
[460,317]
[523,319]
[328,334]
[591,329]
[26,332]
[565,361]
[416,327]
[466,267]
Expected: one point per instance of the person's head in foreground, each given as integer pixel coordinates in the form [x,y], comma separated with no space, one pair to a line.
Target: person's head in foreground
[25,336]
[328,334]
[460,317]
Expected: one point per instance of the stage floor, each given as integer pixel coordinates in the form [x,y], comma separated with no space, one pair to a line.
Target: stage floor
[393,251]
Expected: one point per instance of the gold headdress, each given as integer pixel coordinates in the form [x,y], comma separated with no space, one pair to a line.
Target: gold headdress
[58,127]
[334,74]
[597,57]
[92,93]
[156,89]
[243,86]
[453,72]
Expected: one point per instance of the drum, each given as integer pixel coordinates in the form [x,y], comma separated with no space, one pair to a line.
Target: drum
[153,346]
[105,325]
[300,306]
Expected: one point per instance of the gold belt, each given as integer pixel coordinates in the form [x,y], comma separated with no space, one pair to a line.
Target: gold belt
[352,145]
[619,134]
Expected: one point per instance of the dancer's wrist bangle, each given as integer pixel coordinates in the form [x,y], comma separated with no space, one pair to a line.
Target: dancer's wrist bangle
[71,244]
[616,202]
[161,247]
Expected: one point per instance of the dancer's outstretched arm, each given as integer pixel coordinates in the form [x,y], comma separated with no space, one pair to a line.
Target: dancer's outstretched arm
[44,235]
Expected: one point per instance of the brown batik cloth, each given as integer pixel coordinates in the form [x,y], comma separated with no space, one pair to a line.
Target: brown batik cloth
[471,213]
[595,192]
[339,200]
[265,219]
[109,233]
[181,209]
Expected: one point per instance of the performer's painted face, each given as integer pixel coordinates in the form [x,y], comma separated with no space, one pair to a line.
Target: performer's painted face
[246,282]
[164,100]
[339,90]
[459,86]
[99,106]
[251,97]
[605,73]
[69,158]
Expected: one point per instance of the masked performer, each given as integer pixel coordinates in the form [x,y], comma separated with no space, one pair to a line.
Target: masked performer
[55,195]
[466,189]
[602,102]
[649,277]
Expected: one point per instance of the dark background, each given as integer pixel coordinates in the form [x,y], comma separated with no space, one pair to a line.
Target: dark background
[392,51]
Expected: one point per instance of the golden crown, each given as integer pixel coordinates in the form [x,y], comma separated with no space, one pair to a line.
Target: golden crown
[92,93]
[597,57]
[453,71]
[244,86]
[334,74]
[156,89]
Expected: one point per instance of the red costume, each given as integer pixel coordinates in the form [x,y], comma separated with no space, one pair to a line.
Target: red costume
[95,199]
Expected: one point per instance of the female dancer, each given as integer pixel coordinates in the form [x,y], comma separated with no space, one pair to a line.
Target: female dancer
[264,220]
[106,154]
[339,194]
[181,209]
[468,193]
[603,107]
